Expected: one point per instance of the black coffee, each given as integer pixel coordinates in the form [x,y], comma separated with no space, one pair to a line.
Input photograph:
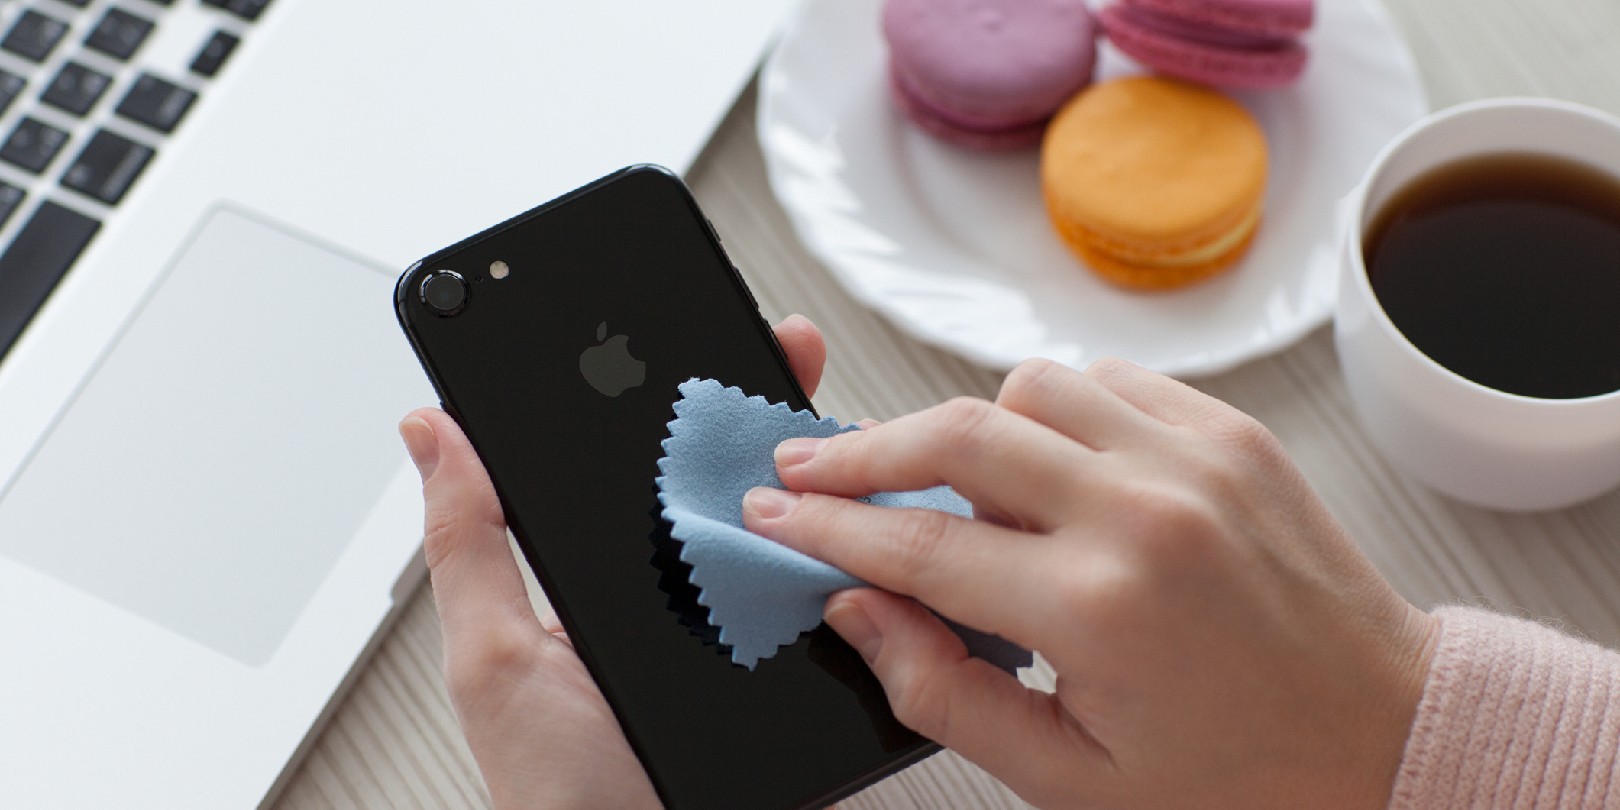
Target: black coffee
[1506,269]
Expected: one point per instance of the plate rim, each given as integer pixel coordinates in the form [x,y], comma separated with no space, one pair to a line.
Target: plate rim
[1318,311]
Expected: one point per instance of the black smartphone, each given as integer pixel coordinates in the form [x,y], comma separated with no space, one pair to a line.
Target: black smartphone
[557,339]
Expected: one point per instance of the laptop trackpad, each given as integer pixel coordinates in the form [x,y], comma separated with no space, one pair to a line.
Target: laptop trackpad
[214,466]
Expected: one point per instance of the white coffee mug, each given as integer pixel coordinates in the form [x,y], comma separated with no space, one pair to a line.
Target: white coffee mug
[1477,444]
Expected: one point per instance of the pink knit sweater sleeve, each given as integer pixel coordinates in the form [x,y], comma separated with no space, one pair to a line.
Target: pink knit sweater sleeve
[1514,714]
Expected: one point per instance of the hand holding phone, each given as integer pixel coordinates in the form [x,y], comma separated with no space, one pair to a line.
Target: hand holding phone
[536,723]
[556,341]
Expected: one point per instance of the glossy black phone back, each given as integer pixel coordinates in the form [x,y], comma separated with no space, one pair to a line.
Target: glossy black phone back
[631,255]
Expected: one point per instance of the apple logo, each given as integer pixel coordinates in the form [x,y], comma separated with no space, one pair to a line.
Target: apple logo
[609,367]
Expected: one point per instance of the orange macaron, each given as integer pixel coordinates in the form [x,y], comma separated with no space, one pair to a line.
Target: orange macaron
[1155,183]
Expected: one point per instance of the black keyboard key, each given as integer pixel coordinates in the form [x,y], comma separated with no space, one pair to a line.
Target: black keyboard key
[11,86]
[119,33]
[34,35]
[76,88]
[156,103]
[80,3]
[107,167]
[214,54]
[10,198]
[32,145]
[40,253]
[246,9]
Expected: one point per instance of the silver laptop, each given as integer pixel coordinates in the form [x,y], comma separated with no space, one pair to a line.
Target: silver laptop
[205,513]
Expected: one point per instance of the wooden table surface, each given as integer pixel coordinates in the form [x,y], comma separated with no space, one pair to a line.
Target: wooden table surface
[394,742]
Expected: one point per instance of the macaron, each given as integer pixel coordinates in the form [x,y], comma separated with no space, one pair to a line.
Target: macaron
[987,74]
[1153,182]
[1238,44]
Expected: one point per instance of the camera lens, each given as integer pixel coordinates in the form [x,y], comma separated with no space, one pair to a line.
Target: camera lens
[444,292]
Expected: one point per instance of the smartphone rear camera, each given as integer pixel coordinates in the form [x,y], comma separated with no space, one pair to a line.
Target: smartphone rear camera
[444,292]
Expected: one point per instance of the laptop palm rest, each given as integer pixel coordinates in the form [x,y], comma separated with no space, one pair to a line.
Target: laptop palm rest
[261,416]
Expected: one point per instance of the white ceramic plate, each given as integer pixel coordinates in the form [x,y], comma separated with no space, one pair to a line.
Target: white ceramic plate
[954,245]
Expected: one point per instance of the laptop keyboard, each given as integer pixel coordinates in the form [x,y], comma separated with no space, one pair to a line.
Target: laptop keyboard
[81,116]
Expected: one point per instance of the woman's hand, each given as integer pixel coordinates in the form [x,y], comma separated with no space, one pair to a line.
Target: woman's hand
[1219,641]
[534,719]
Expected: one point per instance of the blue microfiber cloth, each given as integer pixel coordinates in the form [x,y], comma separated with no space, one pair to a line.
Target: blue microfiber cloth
[761,594]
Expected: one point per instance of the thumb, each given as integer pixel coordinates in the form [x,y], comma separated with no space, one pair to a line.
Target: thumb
[1024,737]
[477,586]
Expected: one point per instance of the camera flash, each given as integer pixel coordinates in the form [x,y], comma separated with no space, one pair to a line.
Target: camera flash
[498,270]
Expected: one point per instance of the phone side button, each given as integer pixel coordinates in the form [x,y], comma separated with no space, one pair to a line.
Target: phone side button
[744,285]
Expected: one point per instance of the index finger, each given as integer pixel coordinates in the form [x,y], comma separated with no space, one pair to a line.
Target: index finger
[973,572]
[1005,463]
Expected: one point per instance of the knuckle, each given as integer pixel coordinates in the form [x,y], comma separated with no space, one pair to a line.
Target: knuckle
[846,456]
[1239,453]
[451,520]
[963,422]
[438,533]
[917,540]
[1178,508]
[1172,521]
[501,654]
[1188,520]
[1111,368]
[816,518]
[1030,381]
[1243,432]
[919,701]
[1102,589]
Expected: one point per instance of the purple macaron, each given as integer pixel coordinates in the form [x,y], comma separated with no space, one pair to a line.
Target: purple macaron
[1239,44]
[987,74]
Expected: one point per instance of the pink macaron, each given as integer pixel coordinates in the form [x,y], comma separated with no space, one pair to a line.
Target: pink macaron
[987,74]
[1239,44]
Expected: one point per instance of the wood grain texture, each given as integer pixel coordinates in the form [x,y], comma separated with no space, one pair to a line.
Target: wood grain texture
[394,741]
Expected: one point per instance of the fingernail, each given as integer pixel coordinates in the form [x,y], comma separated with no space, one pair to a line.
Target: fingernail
[851,622]
[769,503]
[421,444]
[797,451]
